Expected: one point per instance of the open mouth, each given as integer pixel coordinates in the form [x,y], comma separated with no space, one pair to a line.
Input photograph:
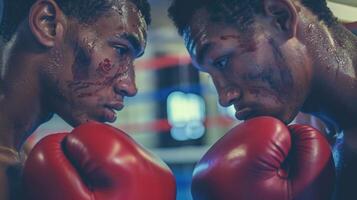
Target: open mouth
[110,110]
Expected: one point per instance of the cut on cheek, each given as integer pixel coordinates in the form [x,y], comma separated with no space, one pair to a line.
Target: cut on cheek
[83,53]
[275,81]
[269,76]
[90,88]
[83,89]
[105,67]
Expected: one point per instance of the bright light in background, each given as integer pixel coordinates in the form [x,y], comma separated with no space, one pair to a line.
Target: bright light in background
[186,115]
[344,10]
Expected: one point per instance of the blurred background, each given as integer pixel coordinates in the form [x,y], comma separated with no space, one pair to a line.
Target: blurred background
[176,114]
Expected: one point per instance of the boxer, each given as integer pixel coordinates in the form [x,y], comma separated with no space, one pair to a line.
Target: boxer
[65,57]
[276,58]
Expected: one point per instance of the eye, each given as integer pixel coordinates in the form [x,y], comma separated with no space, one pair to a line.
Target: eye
[222,62]
[121,50]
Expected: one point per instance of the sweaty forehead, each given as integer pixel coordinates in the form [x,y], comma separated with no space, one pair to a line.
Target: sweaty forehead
[122,22]
[129,16]
[128,9]
[202,30]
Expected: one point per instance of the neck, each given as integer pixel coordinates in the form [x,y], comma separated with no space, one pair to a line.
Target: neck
[20,96]
[334,91]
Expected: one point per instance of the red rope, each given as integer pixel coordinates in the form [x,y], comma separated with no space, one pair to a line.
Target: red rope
[163,62]
[163,125]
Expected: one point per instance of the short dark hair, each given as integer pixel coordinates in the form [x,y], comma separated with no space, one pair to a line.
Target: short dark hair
[15,11]
[235,11]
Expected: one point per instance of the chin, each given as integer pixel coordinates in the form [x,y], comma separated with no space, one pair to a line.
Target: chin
[79,121]
[288,118]
[285,118]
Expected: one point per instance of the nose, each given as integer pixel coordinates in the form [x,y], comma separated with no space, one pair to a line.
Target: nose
[228,90]
[125,84]
[229,95]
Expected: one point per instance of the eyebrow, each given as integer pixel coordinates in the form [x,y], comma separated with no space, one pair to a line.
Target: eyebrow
[134,42]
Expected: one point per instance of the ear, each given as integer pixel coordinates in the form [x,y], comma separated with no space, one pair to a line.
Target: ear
[47,22]
[284,15]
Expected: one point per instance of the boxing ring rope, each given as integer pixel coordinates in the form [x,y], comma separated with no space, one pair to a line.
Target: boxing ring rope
[163,125]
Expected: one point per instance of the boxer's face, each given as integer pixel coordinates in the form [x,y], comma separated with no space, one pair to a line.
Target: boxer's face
[254,70]
[92,70]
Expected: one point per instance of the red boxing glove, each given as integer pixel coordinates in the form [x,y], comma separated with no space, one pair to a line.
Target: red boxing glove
[95,162]
[263,159]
